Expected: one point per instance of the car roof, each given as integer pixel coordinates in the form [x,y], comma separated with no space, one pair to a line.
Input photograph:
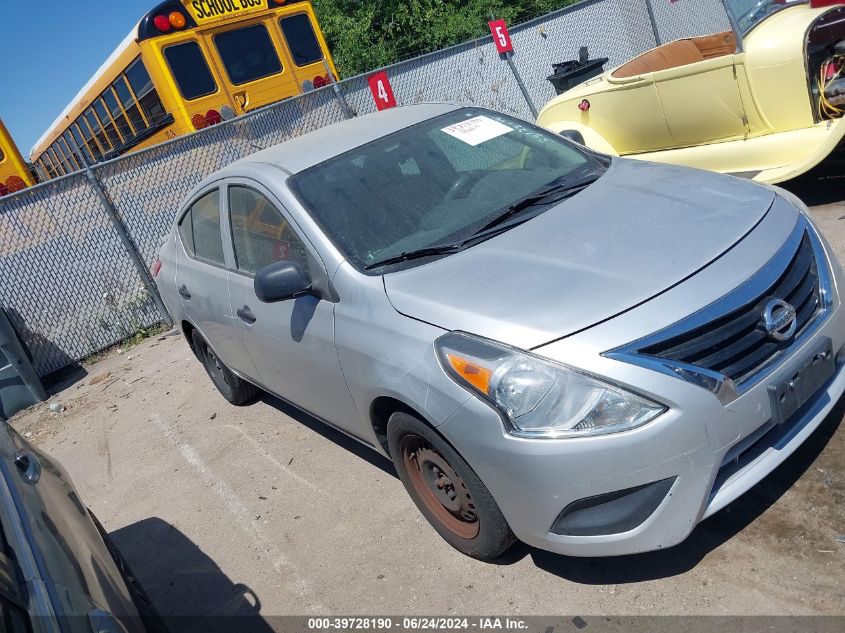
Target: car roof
[315,147]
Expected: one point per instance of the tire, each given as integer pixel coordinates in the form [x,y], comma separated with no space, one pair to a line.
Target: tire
[236,391]
[446,490]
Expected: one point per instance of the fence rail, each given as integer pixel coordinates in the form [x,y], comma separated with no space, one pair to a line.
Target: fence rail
[67,280]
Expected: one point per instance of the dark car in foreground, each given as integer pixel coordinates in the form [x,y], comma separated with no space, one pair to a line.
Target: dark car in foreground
[58,570]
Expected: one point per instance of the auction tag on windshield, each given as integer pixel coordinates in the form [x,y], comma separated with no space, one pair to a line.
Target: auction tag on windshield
[477,130]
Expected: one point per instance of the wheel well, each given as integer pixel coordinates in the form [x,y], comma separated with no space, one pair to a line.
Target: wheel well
[380,412]
[188,333]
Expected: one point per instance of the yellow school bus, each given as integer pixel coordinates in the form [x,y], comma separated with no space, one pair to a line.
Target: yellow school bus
[14,172]
[188,64]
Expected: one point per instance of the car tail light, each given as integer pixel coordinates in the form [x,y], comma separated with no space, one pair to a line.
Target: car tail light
[162,23]
[319,81]
[3,189]
[213,117]
[817,4]
[155,269]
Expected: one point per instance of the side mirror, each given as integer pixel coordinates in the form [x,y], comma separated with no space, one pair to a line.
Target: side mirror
[282,281]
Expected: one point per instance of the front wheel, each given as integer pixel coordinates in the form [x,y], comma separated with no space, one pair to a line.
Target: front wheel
[446,490]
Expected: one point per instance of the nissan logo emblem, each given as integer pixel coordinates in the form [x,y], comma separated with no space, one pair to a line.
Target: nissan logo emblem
[779,320]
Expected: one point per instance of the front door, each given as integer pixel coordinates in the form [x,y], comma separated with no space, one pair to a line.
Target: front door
[702,102]
[291,343]
[255,68]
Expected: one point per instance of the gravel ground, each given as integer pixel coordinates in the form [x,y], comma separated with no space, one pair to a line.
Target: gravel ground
[263,511]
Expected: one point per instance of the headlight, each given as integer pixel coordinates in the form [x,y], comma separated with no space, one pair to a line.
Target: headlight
[539,398]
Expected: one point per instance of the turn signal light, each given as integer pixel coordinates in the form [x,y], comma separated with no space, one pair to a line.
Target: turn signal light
[162,23]
[477,376]
[177,20]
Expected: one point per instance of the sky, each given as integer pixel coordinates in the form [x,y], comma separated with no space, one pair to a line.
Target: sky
[49,50]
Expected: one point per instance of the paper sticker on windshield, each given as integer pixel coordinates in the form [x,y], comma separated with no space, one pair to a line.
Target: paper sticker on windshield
[477,130]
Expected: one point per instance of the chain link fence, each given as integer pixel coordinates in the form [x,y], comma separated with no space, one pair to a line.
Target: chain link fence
[68,281]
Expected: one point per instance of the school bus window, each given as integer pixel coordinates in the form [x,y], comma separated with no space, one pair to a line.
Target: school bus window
[302,41]
[145,92]
[108,124]
[99,135]
[2,155]
[57,161]
[129,105]
[120,121]
[73,147]
[248,54]
[89,139]
[80,143]
[190,70]
[70,160]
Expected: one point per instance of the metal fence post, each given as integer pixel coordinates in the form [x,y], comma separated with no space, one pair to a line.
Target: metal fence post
[509,59]
[344,104]
[128,244]
[650,8]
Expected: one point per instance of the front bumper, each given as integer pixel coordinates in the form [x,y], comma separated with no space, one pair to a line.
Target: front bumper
[712,452]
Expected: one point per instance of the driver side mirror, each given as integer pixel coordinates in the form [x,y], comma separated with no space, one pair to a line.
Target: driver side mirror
[282,281]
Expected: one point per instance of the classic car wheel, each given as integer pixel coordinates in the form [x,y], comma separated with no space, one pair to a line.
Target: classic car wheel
[446,490]
[235,390]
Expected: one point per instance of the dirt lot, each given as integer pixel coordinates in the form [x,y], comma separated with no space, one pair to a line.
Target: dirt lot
[264,511]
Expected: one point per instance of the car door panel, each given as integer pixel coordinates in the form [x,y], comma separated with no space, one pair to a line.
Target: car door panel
[202,279]
[702,101]
[291,343]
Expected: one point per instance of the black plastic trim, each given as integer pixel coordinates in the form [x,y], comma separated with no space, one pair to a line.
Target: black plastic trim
[612,512]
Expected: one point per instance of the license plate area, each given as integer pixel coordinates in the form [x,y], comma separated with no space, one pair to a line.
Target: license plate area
[802,384]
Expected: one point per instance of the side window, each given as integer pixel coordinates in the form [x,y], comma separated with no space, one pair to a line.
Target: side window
[190,70]
[261,234]
[145,92]
[301,39]
[200,229]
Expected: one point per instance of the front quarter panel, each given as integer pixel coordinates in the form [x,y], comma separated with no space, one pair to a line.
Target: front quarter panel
[386,354]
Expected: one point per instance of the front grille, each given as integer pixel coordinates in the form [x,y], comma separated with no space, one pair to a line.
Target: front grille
[736,344]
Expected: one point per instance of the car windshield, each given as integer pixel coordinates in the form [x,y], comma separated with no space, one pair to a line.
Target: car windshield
[440,183]
[749,13]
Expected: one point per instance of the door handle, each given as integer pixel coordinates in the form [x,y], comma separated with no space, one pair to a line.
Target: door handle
[183,290]
[246,315]
[29,467]
[241,100]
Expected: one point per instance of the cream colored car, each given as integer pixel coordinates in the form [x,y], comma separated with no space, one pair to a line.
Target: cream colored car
[764,100]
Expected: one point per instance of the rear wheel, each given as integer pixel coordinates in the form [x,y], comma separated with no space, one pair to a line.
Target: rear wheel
[446,490]
[235,390]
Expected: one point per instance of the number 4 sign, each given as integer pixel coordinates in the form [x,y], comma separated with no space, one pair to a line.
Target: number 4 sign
[501,37]
[382,91]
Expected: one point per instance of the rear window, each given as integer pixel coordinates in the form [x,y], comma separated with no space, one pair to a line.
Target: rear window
[190,70]
[301,39]
[2,155]
[248,54]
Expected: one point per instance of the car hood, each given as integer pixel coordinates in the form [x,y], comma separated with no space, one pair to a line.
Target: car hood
[636,232]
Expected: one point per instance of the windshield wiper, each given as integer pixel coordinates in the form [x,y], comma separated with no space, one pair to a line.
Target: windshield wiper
[548,196]
[430,251]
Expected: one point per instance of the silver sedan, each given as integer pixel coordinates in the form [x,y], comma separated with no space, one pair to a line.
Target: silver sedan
[590,355]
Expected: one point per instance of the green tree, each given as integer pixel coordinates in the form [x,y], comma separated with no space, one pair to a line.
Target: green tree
[367,35]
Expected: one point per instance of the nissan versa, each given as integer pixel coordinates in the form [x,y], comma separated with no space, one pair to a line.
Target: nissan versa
[587,354]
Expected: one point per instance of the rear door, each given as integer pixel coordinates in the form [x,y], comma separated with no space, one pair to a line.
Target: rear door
[291,343]
[201,278]
[256,70]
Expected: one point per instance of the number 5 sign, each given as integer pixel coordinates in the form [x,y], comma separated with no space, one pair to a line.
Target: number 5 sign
[382,91]
[501,37]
